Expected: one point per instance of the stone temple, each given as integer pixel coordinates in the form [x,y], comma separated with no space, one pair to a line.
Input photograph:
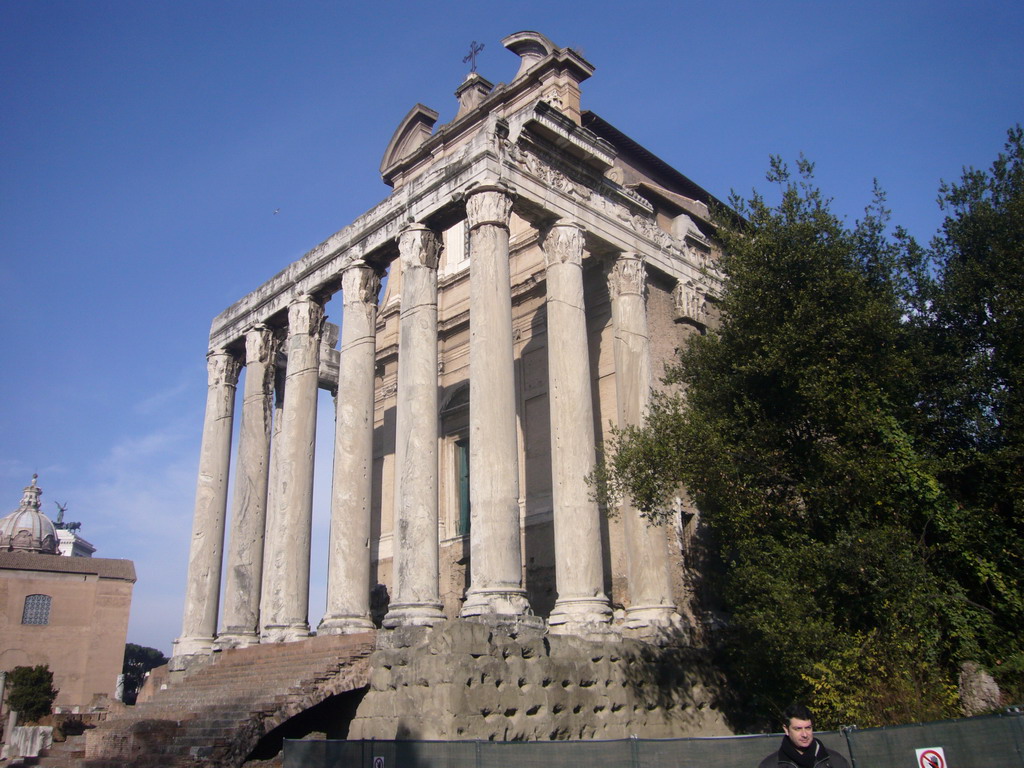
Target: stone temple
[540,267]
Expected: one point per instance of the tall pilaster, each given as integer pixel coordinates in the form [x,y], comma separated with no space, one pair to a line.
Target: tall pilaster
[579,577]
[650,588]
[287,601]
[348,570]
[249,507]
[496,588]
[202,592]
[417,599]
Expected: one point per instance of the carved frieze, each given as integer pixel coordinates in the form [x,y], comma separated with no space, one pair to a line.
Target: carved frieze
[605,196]
[690,303]
[550,172]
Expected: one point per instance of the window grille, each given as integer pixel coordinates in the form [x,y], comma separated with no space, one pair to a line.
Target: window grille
[37,610]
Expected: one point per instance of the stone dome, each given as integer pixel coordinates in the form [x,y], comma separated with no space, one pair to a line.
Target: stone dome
[27,529]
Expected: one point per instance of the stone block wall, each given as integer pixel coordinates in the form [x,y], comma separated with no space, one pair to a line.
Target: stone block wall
[464,680]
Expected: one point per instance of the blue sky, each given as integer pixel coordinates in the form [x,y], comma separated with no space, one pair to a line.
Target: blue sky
[144,147]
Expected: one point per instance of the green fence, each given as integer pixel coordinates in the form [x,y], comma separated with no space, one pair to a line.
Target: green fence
[992,741]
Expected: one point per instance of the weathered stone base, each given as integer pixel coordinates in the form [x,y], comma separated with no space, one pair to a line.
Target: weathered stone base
[465,680]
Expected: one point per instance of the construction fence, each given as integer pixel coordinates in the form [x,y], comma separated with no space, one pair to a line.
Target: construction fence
[990,741]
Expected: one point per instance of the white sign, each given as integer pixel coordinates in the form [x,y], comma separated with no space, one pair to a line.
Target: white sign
[931,757]
[378,762]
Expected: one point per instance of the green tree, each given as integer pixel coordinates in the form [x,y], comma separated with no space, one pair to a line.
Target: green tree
[791,428]
[31,692]
[973,398]
[138,660]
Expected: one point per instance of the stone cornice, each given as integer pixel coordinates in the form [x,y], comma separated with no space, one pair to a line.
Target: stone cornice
[615,219]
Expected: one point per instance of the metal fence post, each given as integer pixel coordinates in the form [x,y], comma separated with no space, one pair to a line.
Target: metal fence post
[846,730]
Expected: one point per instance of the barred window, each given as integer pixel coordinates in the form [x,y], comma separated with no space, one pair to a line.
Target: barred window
[37,610]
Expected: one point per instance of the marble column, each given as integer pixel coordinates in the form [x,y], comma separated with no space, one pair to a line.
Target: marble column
[579,575]
[202,593]
[348,569]
[269,542]
[249,507]
[417,598]
[287,601]
[650,588]
[496,588]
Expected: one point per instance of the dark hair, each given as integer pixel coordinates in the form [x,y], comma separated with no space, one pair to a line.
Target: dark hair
[799,711]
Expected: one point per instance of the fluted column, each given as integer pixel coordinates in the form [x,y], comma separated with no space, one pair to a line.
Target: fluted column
[202,592]
[287,602]
[348,569]
[650,589]
[249,507]
[579,576]
[495,552]
[417,599]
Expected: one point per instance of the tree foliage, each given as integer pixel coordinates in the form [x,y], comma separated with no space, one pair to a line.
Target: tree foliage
[851,435]
[973,397]
[138,660]
[31,692]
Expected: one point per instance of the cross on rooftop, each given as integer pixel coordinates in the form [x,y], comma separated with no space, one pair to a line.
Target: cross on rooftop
[474,49]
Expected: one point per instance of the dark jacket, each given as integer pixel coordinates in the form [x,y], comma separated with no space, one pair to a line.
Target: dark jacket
[825,758]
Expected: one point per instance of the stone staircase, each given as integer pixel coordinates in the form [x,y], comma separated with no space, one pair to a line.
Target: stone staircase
[216,715]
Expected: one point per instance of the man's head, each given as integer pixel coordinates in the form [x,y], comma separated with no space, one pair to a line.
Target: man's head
[798,723]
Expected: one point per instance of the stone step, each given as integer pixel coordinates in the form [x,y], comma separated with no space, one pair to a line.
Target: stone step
[313,646]
[267,661]
[281,669]
[259,674]
[303,675]
[203,714]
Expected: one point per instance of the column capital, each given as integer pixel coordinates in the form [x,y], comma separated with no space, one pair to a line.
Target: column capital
[260,344]
[563,243]
[490,204]
[305,315]
[222,367]
[419,246]
[360,284]
[628,275]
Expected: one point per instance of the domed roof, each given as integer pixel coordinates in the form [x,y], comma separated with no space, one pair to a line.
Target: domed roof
[27,529]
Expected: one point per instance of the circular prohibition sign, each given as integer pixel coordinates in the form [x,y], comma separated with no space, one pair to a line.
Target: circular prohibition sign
[931,758]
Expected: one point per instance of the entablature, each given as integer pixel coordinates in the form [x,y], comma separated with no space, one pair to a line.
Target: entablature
[547,181]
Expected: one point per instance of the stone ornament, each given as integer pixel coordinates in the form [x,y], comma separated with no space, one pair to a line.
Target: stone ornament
[305,316]
[628,275]
[360,284]
[488,205]
[564,244]
[690,304]
[421,247]
[260,345]
[547,173]
[222,368]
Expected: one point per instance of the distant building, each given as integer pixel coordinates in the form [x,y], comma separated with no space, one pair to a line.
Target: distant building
[70,612]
